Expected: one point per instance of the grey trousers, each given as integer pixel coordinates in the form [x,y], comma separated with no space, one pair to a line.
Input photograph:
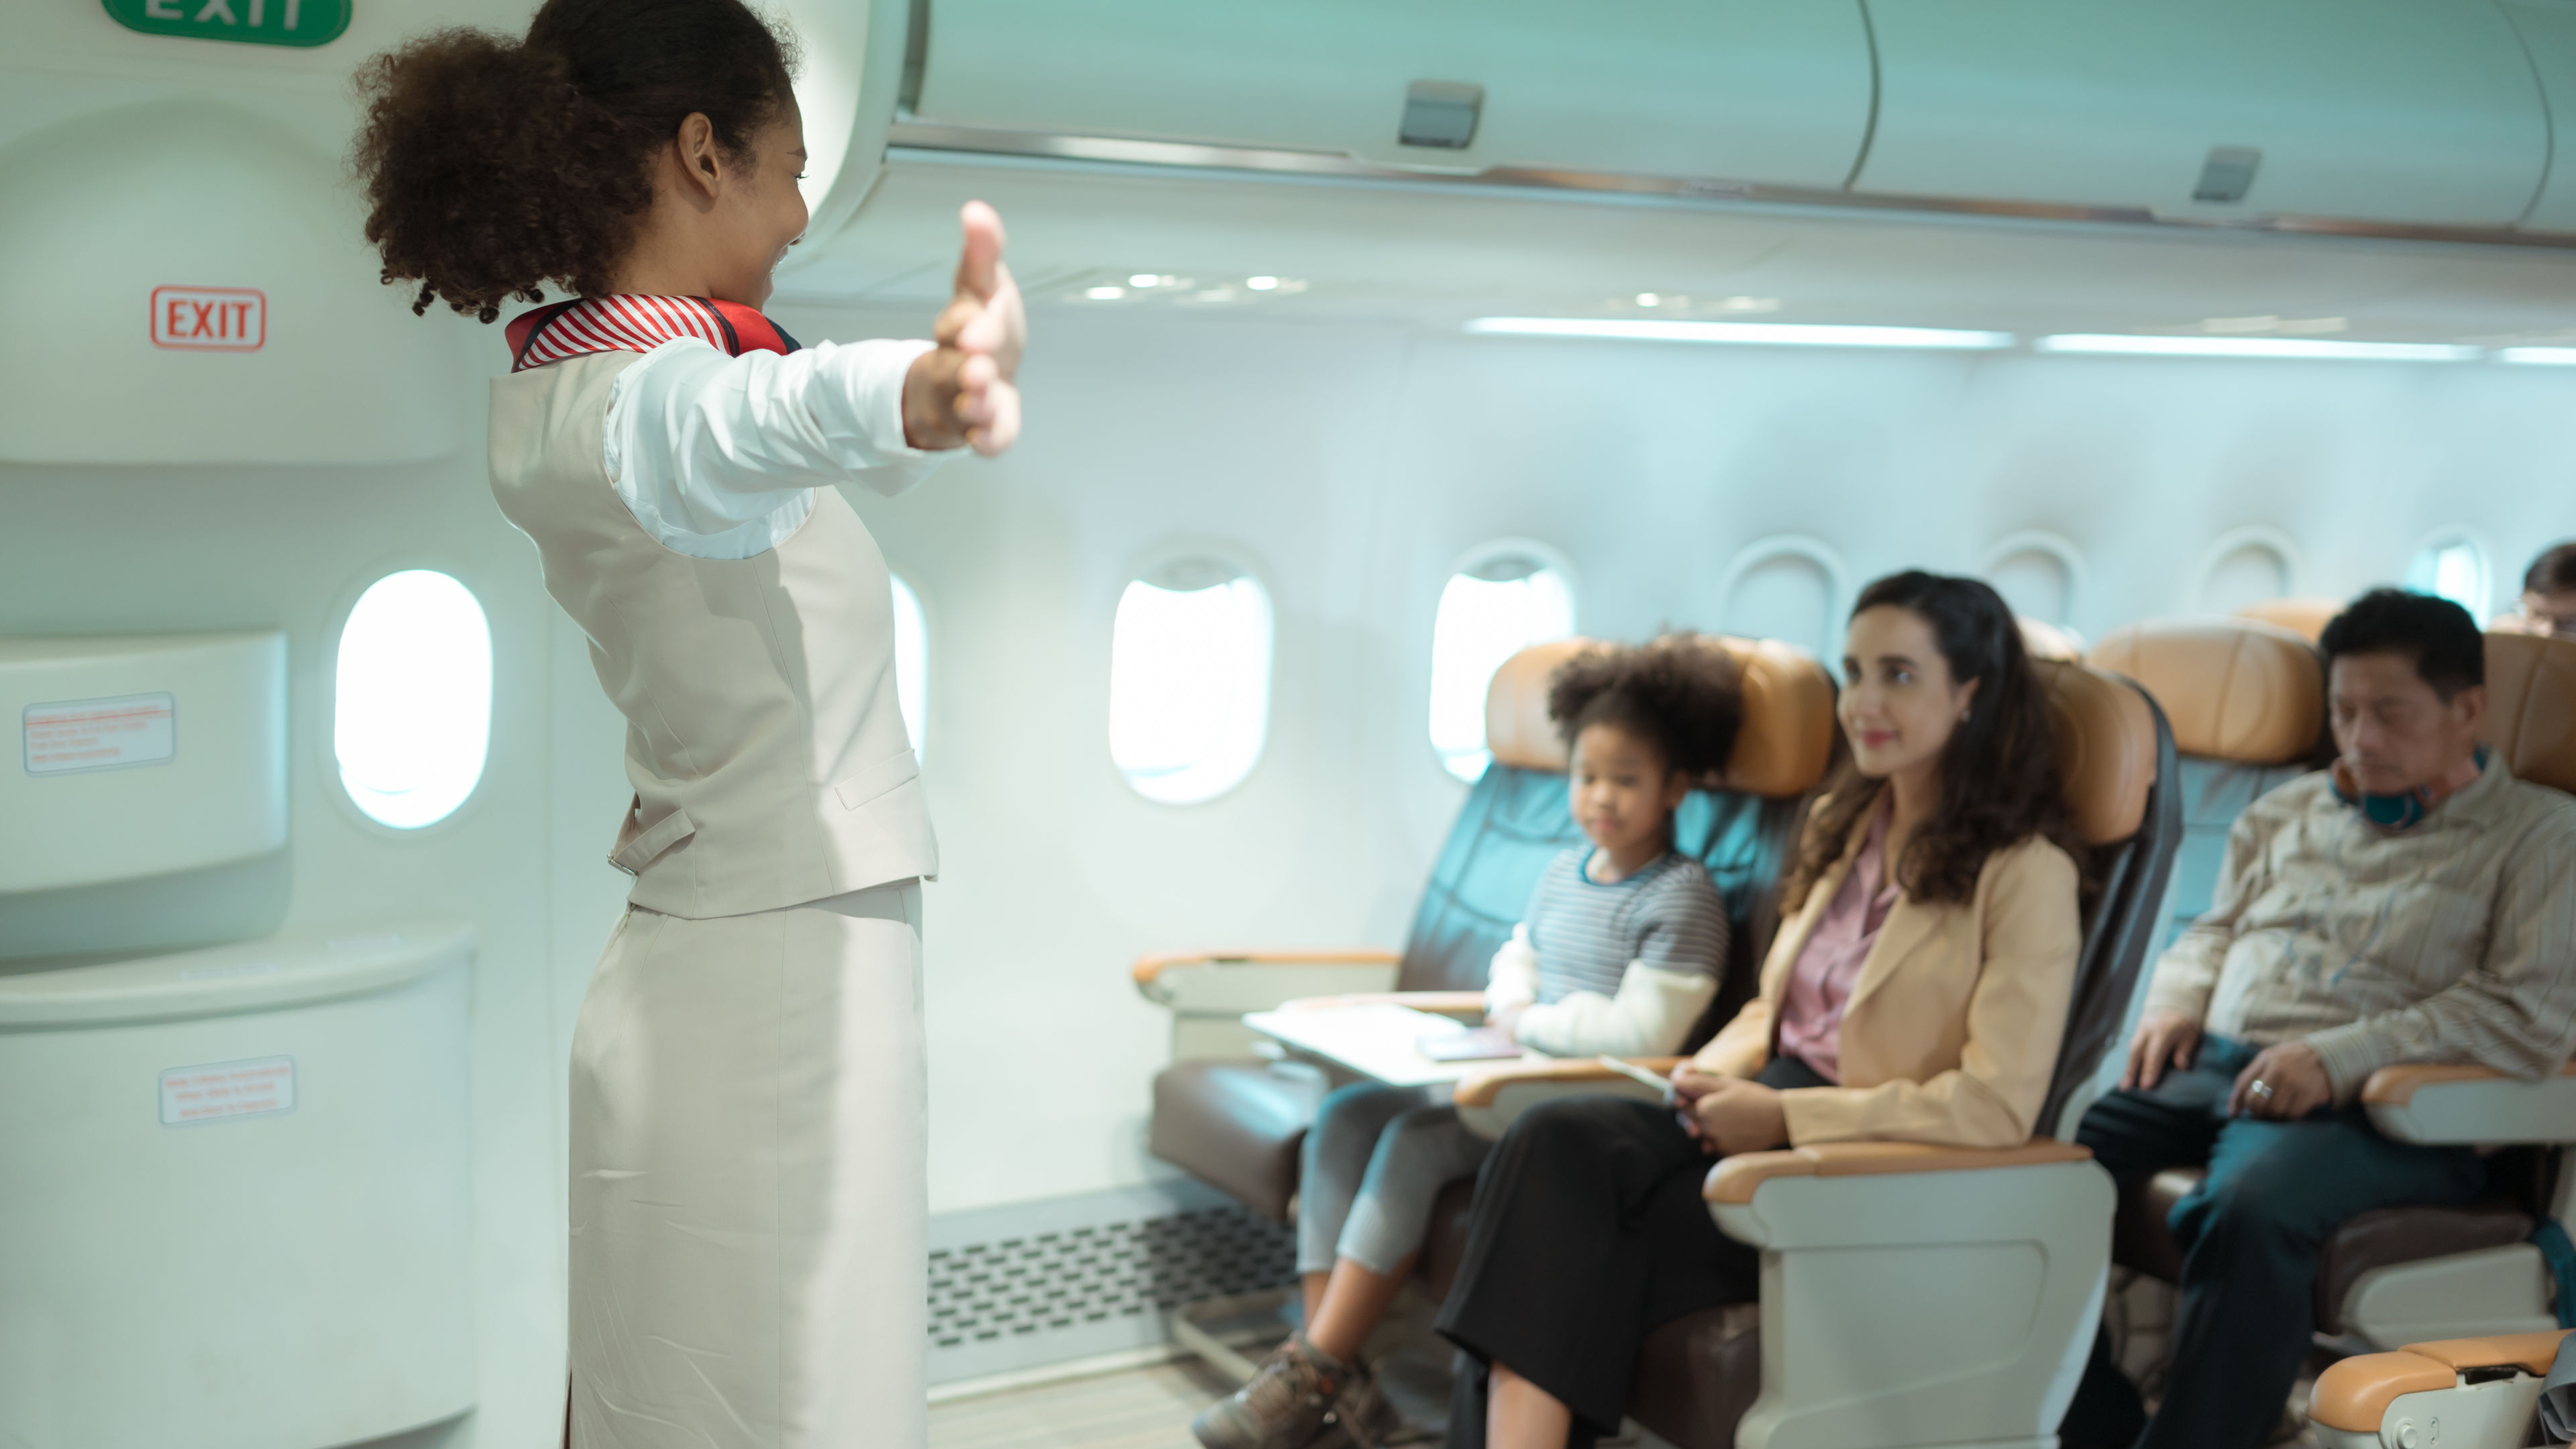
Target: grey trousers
[1375,1160]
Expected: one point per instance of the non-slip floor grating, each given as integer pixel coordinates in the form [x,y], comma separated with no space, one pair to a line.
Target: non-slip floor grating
[1051,1285]
[1057,1280]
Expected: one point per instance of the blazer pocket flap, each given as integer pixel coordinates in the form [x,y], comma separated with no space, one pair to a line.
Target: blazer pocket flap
[877,779]
[632,856]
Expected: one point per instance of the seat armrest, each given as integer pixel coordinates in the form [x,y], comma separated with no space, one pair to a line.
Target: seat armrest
[1490,1098]
[1230,983]
[1737,1178]
[1150,968]
[2372,1400]
[2353,1394]
[2533,1353]
[2466,1105]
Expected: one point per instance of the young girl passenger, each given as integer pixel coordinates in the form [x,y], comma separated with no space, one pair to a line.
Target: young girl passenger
[1621,949]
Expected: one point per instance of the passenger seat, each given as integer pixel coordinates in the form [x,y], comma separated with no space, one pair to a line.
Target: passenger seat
[1239,1124]
[2244,707]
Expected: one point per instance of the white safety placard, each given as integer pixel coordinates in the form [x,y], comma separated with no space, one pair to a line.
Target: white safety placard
[101,734]
[210,1093]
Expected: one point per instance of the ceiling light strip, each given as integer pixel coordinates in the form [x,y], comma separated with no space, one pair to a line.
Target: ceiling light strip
[2539,356]
[1757,334]
[2289,347]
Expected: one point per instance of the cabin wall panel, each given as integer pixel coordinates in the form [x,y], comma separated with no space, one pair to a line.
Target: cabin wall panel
[136,549]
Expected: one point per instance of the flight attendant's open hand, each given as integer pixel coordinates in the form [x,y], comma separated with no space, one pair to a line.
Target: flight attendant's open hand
[962,392]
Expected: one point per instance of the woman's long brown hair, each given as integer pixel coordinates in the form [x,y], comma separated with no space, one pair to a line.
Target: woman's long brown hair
[1999,778]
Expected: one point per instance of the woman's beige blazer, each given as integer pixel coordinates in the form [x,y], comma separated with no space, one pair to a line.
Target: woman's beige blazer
[1952,1031]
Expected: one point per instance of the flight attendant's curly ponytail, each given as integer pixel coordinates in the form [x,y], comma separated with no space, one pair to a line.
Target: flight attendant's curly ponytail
[493,165]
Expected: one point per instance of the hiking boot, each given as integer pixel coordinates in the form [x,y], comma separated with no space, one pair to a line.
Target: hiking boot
[1300,1395]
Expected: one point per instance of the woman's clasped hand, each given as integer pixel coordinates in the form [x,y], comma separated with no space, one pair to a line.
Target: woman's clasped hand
[1727,1115]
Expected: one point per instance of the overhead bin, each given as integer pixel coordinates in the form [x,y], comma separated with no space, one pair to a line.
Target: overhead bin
[2392,111]
[1767,91]
[2548,30]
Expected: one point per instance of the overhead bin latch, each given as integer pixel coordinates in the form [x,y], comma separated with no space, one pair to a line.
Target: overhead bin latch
[2228,173]
[1440,113]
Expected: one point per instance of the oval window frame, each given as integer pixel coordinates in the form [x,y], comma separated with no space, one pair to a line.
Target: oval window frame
[1549,559]
[2269,537]
[2064,551]
[1142,571]
[2458,533]
[327,708]
[1827,560]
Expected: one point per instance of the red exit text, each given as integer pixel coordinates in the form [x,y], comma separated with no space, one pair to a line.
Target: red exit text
[210,319]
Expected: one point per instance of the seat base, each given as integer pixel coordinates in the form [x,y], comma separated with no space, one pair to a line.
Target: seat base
[2374,1240]
[1697,1375]
[1237,1126]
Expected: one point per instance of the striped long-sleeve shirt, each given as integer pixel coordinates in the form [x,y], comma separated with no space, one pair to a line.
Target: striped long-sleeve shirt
[2451,941]
[1623,967]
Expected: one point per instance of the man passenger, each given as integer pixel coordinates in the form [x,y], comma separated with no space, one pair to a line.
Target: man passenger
[2416,903]
[2548,595]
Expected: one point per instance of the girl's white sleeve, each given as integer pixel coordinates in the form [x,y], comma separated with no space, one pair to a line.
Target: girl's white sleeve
[1512,979]
[702,445]
[1652,1014]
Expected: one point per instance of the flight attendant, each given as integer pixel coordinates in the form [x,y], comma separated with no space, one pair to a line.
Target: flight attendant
[748,1153]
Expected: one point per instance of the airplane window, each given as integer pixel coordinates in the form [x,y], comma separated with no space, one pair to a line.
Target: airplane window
[2247,566]
[2038,574]
[1786,589]
[2455,567]
[411,702]
[1489,611]
[911,665]
[1189,680]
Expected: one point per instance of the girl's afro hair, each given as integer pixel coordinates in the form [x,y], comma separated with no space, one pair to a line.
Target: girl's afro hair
[1679,693]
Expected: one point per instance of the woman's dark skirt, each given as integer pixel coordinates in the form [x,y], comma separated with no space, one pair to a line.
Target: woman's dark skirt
[1589,1234]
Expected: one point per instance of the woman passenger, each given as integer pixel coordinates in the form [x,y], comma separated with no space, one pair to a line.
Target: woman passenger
[1621,950]
[1916,993]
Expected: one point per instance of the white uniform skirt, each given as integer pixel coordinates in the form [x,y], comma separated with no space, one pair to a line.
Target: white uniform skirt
[749,1160]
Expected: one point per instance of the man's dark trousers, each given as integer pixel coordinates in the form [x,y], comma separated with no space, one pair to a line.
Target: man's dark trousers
[2250,1234]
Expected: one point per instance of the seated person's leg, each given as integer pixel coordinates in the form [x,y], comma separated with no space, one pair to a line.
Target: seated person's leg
[1417,1155]
[2134,1133]
[1304,1387]
[1590,1232]
[1556,1272]
[2251,1235]
[1335,1161]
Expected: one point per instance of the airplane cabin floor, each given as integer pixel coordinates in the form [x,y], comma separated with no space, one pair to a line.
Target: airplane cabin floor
[1146,1408]
[1149,1408]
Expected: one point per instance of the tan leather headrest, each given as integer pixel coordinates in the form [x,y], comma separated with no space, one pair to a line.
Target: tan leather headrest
[1781,751]
[2106,749]
[2233,689]
[2306,618]
[2531,706]
[2044,640]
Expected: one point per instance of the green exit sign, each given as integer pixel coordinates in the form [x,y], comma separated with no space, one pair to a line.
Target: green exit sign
[251,22]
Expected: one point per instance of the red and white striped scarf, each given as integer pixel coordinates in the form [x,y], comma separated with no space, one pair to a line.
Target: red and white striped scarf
[634,322]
